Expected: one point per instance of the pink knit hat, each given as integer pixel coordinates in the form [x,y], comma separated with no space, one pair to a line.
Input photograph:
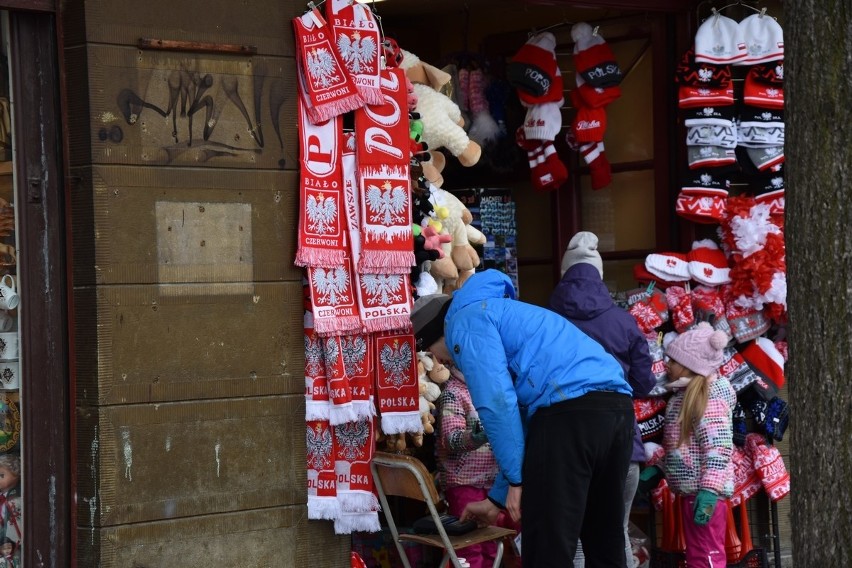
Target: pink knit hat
[699,349]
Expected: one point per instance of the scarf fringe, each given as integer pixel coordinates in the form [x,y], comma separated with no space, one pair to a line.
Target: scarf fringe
[326,111]
[402,422]
[323,508]
[371,95]
[316,409]
[348,523]
[388,323]
[338,325]
[386,262]
[358,501]
[317,257]
[341,414]
[364,408]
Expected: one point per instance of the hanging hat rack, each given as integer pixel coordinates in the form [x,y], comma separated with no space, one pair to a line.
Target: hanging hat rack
[717,11]
[563,23]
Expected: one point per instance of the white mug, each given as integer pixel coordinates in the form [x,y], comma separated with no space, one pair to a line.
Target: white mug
[7,321]
[9,346]
[10,378]
[9,299]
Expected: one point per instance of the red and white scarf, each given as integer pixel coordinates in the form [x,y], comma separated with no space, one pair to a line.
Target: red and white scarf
[325,83]
[322,485]
[339,390]
[321,240]
[354,443]
[396,382]
[358,361]
[384,300]
[355,33]
[383,170]
[333,297]
[317,403]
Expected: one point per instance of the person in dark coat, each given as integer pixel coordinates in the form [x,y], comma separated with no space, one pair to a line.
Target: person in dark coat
[582,297]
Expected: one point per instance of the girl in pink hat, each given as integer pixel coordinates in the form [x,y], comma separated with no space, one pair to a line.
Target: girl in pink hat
[698,443]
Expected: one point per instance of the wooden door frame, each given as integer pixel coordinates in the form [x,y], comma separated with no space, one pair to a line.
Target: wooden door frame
[41,197]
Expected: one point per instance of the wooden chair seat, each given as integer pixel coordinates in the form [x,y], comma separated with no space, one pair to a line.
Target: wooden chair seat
[469,539]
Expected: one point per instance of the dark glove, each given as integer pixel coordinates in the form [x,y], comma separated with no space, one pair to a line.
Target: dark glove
[478,434]
[649,479]
[705,504]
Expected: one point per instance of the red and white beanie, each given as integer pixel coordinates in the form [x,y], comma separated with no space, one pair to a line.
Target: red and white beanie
[703,197]
[719,41]
[760,94]
[765,359]
[763,38]
[691,97]
[668,266]
[589,125]
[593,58]
[543,121]
[707,264]
[533,70]
[596,96]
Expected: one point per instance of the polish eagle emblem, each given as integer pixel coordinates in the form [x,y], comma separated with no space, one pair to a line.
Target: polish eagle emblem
[322,68]
[314,361]
[351,439]
[322,213]
[396,362]
[354,351]
[318,441]
[357,52]
[331,285]
[387,203]
[382,289]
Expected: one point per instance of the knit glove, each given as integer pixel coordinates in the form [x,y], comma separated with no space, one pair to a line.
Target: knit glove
[705,504]
[649,479]
[478,434]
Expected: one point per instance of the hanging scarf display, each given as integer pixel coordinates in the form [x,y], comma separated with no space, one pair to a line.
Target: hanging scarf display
[357,360]
[396,382]
[355,34]
[339,390]
[353,450]
[332,291]
[324,82]
[321,241]
[322,486]
[316,385]
[383,164]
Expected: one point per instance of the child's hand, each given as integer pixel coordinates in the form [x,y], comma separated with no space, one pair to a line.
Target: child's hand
[705,504]
[649,479]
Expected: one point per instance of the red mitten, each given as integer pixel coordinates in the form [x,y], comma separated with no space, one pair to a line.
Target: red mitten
[680,305]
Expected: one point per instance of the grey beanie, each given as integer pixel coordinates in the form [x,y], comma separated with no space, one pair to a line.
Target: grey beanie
[582,248]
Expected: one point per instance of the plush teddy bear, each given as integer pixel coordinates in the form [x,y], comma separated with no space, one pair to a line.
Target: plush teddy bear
[442,121]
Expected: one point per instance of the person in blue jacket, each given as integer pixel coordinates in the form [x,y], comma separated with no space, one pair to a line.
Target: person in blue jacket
[558,414]
[583,298]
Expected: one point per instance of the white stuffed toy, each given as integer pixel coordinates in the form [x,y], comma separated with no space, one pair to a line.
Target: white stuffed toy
[442,120]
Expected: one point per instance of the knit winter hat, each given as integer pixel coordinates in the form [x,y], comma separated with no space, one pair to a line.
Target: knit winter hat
[722,115]
[596,97]
[699,349]
[650,416]
[766,360]
[583,247]
[543,121]
[769,189]
[427,318]
[766,158]
[589,124]
[668,266]
[707,263]
[762,94]
[710,156]
[693,74]
[719,41]
[533,71]
[763,39]
[689,97]
[593,58]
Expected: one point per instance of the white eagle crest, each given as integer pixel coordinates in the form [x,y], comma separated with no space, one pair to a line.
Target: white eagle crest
[314,361]
[708,111]
[706,151]
[777,182]
[322,212]
[387,203]
[704,75]
[766,116]
[773,93]
[356,52]
[331,285]
[396,362]
[382,289]
[319,447]
[354,351]
[332,350]
[779,71]
[706,179]
[322,68]
[351,439]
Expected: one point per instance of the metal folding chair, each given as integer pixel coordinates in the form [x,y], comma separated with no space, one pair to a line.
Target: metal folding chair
[405,476]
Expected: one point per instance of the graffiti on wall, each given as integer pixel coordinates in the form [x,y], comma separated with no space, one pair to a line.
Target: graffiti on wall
[188,114]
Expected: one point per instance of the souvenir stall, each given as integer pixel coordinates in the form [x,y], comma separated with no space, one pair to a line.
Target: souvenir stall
[417,170]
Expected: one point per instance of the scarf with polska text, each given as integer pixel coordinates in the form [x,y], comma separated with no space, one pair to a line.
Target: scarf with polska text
[321,241]
[384,300]
[355,34]
[322,484]
[317,403]
[358,365]
[383,171]
[397,390]
[324,81]
[354,443]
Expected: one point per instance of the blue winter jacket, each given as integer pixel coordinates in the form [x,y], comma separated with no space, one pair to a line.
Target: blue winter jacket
[583,298]
[517,358]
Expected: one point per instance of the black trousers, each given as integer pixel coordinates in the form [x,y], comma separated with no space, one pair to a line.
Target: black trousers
[577,455]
